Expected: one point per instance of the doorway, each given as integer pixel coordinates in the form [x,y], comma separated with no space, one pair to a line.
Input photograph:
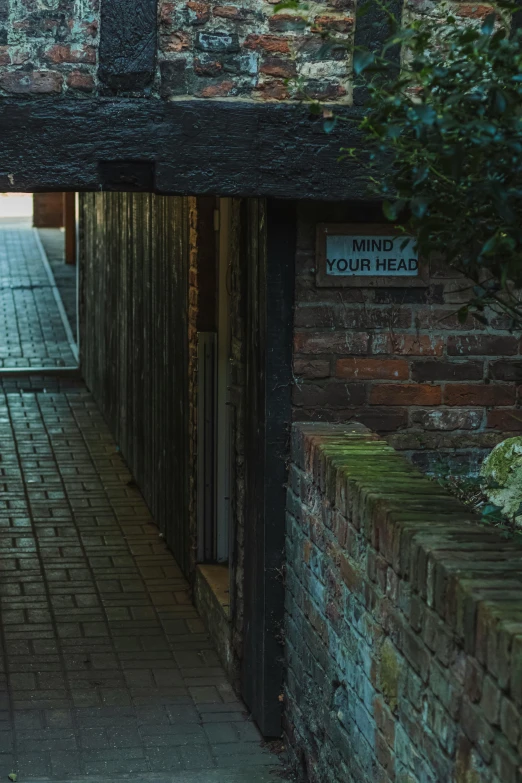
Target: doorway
[214,581]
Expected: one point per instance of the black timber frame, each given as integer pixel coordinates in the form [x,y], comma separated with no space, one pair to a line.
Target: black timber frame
[127,140]
[270,250]
[174,148]
[128,44]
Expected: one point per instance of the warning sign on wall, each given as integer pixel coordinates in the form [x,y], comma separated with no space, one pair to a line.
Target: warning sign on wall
[367,256]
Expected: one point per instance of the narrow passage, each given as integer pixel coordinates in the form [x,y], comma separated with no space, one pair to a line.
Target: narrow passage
[34,332]
[108,667]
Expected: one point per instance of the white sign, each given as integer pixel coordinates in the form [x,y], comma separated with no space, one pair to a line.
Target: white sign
[371,256]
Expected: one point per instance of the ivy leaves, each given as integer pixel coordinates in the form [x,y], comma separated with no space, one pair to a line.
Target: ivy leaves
[450,125]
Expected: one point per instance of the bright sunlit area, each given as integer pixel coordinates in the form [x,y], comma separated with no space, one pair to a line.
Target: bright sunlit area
[38,283]
[16,207]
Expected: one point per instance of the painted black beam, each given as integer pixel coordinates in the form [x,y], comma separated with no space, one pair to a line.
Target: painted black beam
[372,29]
[128,33]
[193,147]
[268,415]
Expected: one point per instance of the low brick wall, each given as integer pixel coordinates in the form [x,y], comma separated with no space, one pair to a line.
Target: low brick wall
[403,625]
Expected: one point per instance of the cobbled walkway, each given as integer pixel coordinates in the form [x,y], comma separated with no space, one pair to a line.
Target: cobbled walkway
[32,331]
[108,670]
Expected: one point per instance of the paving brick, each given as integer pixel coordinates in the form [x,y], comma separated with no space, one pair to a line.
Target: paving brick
[241,754]
[33,764]
[101,685]
[164,760]
[199,757]
[6,741]
[65,763]
[221,732]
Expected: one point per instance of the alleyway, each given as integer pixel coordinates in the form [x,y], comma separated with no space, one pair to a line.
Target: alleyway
[109,669]
[34,329]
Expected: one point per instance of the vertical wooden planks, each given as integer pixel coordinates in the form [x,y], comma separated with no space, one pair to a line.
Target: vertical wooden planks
[135,251]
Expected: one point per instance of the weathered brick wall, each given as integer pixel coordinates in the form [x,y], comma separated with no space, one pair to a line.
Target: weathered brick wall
[399,361]
[403,632]
[246,50]
[48,48]
[205,50]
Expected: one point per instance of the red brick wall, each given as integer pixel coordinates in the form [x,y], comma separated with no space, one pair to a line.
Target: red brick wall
[205,50]
[48,48]
[398,359]
[223,51]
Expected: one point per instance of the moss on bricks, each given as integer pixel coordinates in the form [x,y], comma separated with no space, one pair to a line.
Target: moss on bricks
[389,673]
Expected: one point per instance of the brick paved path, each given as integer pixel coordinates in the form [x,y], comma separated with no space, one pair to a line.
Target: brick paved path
[32,332]
[109,668]
[53,241]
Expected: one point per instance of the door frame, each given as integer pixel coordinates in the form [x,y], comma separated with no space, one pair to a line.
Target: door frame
[270,257]
[223,442]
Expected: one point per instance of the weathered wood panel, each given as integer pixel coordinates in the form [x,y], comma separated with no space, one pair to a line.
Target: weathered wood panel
[134,251]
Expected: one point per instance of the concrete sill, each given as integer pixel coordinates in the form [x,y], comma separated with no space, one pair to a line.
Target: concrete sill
[212,597]
[214,581]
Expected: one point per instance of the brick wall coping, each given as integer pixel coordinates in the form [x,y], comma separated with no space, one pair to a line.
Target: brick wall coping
[467,573]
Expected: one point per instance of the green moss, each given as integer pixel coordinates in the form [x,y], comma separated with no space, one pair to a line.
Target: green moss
[389,671]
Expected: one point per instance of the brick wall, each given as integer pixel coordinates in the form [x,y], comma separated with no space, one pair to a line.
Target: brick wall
[398,360]
[205,50]
[403,633]
[48,48]
[245,50]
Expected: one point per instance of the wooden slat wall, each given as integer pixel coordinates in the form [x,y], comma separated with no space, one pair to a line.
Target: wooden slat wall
[134,293]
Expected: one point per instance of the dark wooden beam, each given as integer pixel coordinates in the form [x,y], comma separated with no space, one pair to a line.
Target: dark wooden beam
[207,265]
[186,147]
[372,30]
[128,33]
[69,221]
[268,414]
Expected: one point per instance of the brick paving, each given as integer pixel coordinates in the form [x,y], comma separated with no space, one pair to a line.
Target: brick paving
[32,332]
[53,241]
[106,666]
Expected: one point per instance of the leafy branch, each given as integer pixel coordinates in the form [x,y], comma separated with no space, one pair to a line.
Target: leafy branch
[442,145]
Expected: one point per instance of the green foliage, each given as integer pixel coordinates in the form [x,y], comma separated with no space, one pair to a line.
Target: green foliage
[471,491]
[448,125]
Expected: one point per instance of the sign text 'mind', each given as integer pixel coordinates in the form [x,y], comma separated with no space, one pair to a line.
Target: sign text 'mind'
[348,255]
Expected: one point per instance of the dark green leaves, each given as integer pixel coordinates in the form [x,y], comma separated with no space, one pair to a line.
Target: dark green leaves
[329,124]
[361,61]
[292,5]
[443,145]
[392,209]
[489,24]
[426,114]
[462,314]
